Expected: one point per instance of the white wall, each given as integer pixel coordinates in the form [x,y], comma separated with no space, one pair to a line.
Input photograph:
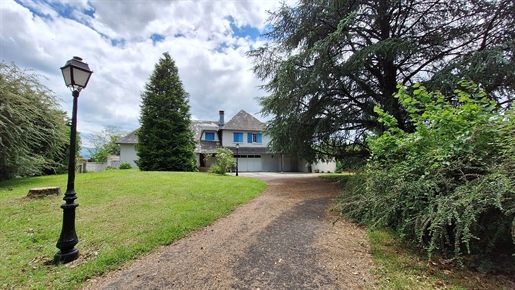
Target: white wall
[112,161]
[325,167]
[330,166]
[96,166]
[227,139]
[128,154]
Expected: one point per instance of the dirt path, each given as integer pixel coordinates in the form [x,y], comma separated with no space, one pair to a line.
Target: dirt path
[283,239]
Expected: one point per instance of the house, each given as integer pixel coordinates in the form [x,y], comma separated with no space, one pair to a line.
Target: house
[253,153]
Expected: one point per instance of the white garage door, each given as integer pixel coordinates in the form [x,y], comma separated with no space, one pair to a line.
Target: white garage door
[249,163]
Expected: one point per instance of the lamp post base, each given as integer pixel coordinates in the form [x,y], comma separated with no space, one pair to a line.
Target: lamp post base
[64,258]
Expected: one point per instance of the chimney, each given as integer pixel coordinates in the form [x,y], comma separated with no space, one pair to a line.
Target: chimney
[221,121]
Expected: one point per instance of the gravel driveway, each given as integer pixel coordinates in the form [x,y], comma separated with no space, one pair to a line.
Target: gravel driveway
[283,239]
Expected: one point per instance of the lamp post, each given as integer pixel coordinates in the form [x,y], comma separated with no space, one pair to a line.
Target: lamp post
[237,156]
[76,76]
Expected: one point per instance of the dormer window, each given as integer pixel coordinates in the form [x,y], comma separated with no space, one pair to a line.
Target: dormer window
[210,136]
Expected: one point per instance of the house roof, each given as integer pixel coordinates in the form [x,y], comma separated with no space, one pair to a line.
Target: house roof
[199,126]
[243,121]
[131,138]
[250,150]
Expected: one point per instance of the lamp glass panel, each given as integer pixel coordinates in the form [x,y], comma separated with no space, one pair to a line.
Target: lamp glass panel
[80,77]
[67,71]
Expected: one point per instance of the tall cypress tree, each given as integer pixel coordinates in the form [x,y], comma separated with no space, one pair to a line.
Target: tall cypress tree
[165,138]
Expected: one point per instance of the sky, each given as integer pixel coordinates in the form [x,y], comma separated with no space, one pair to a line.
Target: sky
[123,40]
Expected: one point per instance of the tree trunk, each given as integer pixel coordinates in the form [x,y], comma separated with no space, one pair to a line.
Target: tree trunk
[44,191]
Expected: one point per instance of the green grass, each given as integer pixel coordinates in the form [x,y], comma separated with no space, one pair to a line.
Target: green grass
[341,178]
[400,266]
[122,214]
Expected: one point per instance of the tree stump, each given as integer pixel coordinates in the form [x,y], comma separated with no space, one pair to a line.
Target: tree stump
[44,191]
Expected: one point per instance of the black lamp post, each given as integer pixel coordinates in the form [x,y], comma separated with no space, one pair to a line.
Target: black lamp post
[76,76]
[237,156]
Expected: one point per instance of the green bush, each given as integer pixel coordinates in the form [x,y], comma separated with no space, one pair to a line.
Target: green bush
[450,184]
[224,161]
[350,163]
[125,165]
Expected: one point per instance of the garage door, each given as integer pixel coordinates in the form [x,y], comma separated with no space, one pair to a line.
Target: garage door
[249,163]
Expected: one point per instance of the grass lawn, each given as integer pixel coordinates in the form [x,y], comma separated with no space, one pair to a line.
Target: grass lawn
[122,214]
[400,266]
[341,178]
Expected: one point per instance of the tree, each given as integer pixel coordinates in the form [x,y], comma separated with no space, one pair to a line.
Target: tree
[34,135]
[329,63]
[104,143]
[165,138]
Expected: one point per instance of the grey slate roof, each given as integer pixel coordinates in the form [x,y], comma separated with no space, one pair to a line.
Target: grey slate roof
[129,139]
[244,121]
[250,150]
[199,126]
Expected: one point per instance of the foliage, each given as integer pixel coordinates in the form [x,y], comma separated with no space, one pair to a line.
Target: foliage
[224,161]
[125,165]
[329,63]
[122,215]
[165,139]
[449,185]
[104,143]
[34,135]
[350,163]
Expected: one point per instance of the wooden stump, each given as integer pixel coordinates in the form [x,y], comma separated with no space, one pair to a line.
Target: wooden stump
[44,191]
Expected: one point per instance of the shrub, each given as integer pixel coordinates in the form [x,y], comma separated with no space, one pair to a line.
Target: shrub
[449,185]
[350,163]
[224,161]
[125,165]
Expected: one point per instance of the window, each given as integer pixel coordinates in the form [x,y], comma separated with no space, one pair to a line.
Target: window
[210,136]
[237,137]
[254,138]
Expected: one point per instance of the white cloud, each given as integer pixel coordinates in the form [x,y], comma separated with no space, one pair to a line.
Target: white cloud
[43,35]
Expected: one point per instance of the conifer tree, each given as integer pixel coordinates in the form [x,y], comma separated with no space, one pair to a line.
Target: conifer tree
[165,138]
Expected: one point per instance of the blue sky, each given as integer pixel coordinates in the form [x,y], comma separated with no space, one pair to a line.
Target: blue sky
[122,40]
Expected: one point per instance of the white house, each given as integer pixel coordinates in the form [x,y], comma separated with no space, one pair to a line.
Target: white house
[253,153]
